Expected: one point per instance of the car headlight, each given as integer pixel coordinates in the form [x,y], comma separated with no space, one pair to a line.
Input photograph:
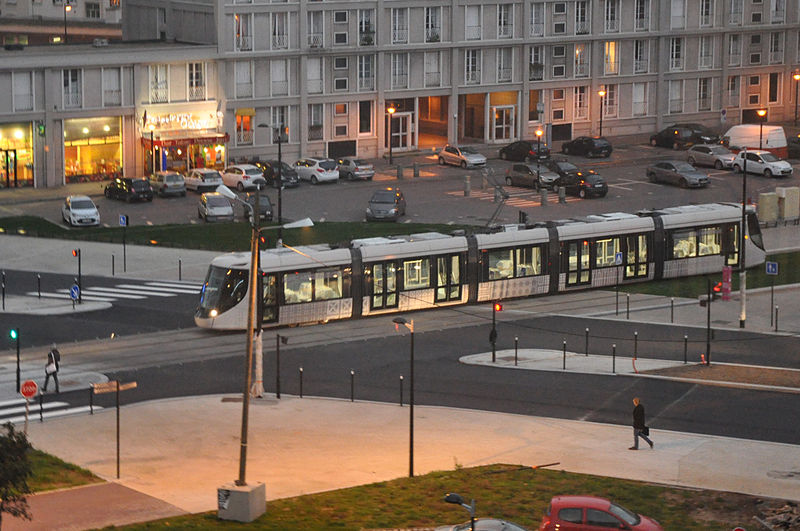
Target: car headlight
[369,211]
[393,211]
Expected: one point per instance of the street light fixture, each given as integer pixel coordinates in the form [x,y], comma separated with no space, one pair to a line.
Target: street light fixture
[602,94]
[14,335]
[67,9]
[152,127]
[539,134]
[796,78]
[280,136]
[410,325]
[458,500]
[391,110]
[761,114]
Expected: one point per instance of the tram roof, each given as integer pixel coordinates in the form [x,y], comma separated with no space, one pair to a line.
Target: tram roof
[410,245]
[692,215]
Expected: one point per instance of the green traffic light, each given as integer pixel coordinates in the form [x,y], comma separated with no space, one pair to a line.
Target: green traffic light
[12,334]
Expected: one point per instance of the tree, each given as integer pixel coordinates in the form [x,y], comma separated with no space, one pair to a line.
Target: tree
[15,469]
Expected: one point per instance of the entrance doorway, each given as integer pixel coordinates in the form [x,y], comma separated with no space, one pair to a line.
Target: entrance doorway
[503,122]
[401,131]
[8,168]
[433,121]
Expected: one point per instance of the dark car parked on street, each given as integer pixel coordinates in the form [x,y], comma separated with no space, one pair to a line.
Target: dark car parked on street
[587,146]
[524,150]
[264,206]
[677,172]
[129,189]
[681,136]
[270,170]
[386,204]
[584,185]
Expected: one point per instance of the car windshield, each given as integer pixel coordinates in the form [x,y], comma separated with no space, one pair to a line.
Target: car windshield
[384,196]
[140,185]
[769,157]
[82,204]
[327,165]
[285,167]
[624,514]
[469,150]
[720,150]
[263,200]
[683,166]
[174,178]
[359,162]
[566,166]
[211,175]
[217,201]
[253,171]
[600,142]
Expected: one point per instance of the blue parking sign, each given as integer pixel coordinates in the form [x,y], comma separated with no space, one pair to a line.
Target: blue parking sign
[123,220]
[618,259]
[772,268]
[74,292]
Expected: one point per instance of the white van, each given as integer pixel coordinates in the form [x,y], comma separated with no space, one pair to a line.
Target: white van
[773,138]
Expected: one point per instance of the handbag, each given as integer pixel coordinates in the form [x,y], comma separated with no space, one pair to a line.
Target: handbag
[646,431]
[50,368]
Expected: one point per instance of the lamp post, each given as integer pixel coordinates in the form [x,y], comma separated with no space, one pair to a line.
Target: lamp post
[391,110]
[282,130]
[67,9]
[458,500]
[410,325]
[742,240]
[761,114]
[14,335]
[539,134]
[796,78]
[152,149]
[602,94]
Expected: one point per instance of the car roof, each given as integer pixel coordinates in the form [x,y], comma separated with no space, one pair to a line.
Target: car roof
[205,170]
[756,151]
[78,197]
[212,194]
[672,161]
[592,502]
[244,166]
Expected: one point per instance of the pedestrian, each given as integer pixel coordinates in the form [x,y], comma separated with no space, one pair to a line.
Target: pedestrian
[640,429]
[52,367]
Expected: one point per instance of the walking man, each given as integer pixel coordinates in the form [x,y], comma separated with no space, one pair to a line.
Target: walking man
[639,427]
[52,367]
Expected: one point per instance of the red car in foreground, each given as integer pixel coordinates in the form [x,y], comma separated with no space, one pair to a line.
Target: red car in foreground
[589,513]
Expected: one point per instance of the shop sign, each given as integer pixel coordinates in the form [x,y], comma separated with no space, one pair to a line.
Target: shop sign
[181,120]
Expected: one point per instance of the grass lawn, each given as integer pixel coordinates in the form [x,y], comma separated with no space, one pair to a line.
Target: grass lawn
[519,494]
[50,473]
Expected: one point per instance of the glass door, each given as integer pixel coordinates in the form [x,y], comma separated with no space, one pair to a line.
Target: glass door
[269,298]
[448,278]
[384,285]
[503,122]
[636,256]
[401,131]
[578,263]
[8,168]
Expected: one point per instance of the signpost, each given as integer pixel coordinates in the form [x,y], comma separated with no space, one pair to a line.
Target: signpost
[772,271]
[123,222]
[28,389]
[74,294]
[111,387]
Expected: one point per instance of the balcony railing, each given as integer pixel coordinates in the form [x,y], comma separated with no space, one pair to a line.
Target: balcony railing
[244,43]
[366,38]
[315,40]
[676,63]
[612,25]
[609,110]
[581,113]
[732,99]
[776,57]
[315,132]
[536,72]
[505,31]
[641,24]
[399,35]
[24,102]
[433,79]
[704,104]
[280,41]
[472,33]
[112,97]
[244,90]
[280,88]
[706,61]
[581,69]
[581,27]
[366,83]
[433,34]
[244,138]
[611,68]
[735,59]
[503,75]
[314,86]
[159,95]
[197,93]
[778,17]
[677,22]
[536,29]
[640,66]
[399,80]
[675,106]
[639,108]
[735,19]
[473,77]
[705,21]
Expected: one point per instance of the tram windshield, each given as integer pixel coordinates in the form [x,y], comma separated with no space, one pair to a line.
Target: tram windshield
[754,230]
[223,289]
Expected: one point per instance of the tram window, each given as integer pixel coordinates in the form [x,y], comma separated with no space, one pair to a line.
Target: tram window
[710,241]
[417,273]
[606,250]
[529,261]
[730,244]
[684,244]
[297,287]
[501,264]
[327,285]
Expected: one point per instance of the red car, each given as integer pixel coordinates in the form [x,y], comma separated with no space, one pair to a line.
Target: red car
[589,513]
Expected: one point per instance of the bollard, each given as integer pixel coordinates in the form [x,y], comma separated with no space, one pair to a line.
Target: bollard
[672,309]
[564,356]
[399,173]
[516,349]
[180,267]
[112,265]
[416,169]
[614,358]
[41,407]
[39,284]
[587,342]
[562,195]
[91,400]
[301,382]
[352,384]
[776,318]
[401,390]
[627,306]
[466,186]
[685,346]
[3,288]
[635,345]
[543,196]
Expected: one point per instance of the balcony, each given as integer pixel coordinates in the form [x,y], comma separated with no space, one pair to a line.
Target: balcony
[609,110]
[704,103]
[581,27]
[473,77]
[536,72]
[581,113]
[314,86]
[505,31]
[639,108]
[433,34]
[641,24]
[24,102]
[111,98]
[244,138]
[735,59]
[400,36]
[315,132]
[159,94]
[399,81]
[244,43]
[706,61]
[735,19]
[705,21]
[315,40]
[675,106]
[197,93]
[776,57]
[280,88]
[732,99]
[366,38]
[611,68]
[433,79]
[676,64]
[536,29]
[366,83]
[243,90]
[581,69]
[612,25]
[778,17]
[280,41]
[472,33]
[640,66]
[503,75]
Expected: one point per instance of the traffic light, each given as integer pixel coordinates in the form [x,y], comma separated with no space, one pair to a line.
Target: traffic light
[498,307]
[13,334]
[76,252]
[40,128]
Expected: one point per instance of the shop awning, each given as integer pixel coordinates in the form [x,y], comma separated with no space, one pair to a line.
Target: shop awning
[202,139]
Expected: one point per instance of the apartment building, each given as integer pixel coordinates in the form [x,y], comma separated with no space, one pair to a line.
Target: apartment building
[36,22]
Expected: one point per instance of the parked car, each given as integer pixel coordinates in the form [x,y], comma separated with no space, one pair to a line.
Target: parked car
[79,210]
[680,136]
[578,513]
[770,138]
[587,146]
[466,157]
[584,185]
[763,162]
[524,150]
[351,169]
[200,179]
[243,177]
[264,206]
[676,172]
[531,175]
[288,175]
[484,524]
[386,204]
[168,183]
[565,169]
[711,155]
[214,206]
[317,170]
[129,189]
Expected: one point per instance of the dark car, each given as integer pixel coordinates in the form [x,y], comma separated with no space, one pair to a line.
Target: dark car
[129,189]
[264,206]
[676,172]
[524,150]
[587,146]
[584,185]
[387,204]
[681,136]
[270,169]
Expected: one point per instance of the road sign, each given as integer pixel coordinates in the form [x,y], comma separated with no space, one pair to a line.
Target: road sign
[28,389]
[123,220]
[74,292]
[772,268]
[618,259]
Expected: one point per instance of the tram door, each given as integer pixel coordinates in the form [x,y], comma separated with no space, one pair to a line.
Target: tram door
[269,298]
[578,262]
[448,278]
[384,285]
[8,168]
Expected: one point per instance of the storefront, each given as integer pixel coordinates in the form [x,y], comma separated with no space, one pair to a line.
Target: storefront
[16,155]
[92,149]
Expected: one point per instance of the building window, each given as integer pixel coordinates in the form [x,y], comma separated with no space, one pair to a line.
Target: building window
[92,10]
[340,83]
[400,70]
[639,99]
[706,13]
[734,49]
[735,16]
[776,47]
[559,8]
[433,24]
[581,111]
[244,79]
[364,117]
[340,63]
[366,29]
[280,116]
[704,94]
[641,57]
[534,103]
[676,54]
[558,94]
[642,15]
[315,31]
[754,81]
[243,32]
[560,27]
[676,96]
[559,71]
[112,93]
[366,79]
[472,67]
[610,102]
[472,21]
[399,25]
[581,17]
[774,87]
[536,66]
[504,62]
[340,17]
[559,51]
[159,86]
[505,21]
[733,91]
[197,81]
[433,75]
[611,16]
[706,59]
[244,127]
[315,123]
[314,75]
[340,37]
[340,109]
[558,115]
[611,58]
[23,91]
[279,78]
[755,18]
[755,58]
[537,19]
[280,31]
[754,99]
[340,130]
[677,14]
[581,60]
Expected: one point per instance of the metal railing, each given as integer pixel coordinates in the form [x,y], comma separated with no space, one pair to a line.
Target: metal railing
[581,113]
[612,25]
[472,33]
[776,57]
[244,90]
[315,132]
[778,16]
[536,29]
[676,106]
[735,19]
[641,24]
[704,104]
[314,86]
[609,110]
[611,67]
[280,41]
[676,63]
[639,108]
[366,38]
[23,102]
[473,77]
[280,88]
[399,80]
[366,83]
[640,66]
[399,35]
[705,20]
[505,31]
[503,75]
[244,138]
[581,69]
[244,43]
[112,97]
[581,27]
[536,72]
[433,34]
[159,95]
[433,79]
[197,93]
[315,40]
[706,61]
[735,59]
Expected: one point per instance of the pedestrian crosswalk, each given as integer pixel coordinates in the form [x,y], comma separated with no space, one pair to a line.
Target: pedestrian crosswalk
[126,291]
[517,197]
[13,411]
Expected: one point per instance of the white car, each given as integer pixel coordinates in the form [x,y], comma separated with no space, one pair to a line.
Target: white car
[317,170]
[79,210]
[200,179]
[466,157]
[763,162]
[214,206]
[243,177]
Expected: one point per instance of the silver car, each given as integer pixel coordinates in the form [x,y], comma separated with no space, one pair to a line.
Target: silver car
[79,210]
[214,206]
[677,172]
[200,179]
[466,157]
[168,183]
[710,155]
[351,169]
[530,175]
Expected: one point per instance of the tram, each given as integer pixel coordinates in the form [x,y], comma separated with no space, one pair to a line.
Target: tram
[374,276]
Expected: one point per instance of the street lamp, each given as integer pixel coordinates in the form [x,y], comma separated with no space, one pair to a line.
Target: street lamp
[602,94]
[539,134]
[282,131]
[14,335]
[458,500]
[391,110]
[152,149]
[796,78]
[410,325]
[67,9]
[761,114]
[742,240]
